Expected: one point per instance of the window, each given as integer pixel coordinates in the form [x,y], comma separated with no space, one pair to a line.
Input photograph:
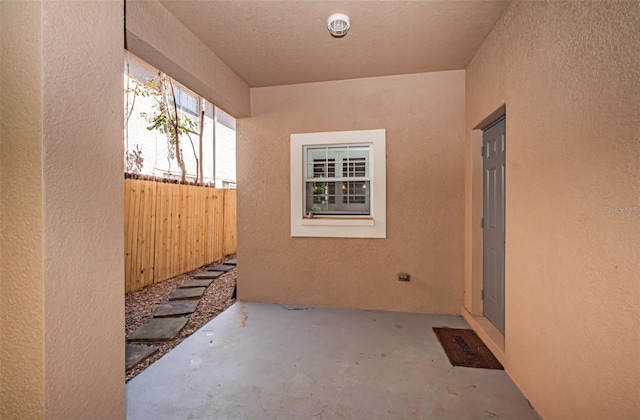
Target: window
[356,191]
[341,192]
[322,193]
[187,102]
[338,184]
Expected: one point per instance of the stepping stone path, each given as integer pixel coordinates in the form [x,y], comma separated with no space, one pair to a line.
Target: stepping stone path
[220,267]
[167,323]
[189,293]
[176,307]
[196,283]
[159,329]
[136,353]
[208,275]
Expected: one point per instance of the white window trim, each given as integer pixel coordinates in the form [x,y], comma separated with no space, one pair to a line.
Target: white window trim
[371,226]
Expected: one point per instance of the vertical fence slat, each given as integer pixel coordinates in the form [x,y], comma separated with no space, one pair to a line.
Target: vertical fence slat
[188,243]
[135,276]
[171,229]
[151,245]
[210,225]
[157,262]
[127,234]
[175,232]
[218,221]
[199,226]
[229,224]
[140,244]
[184,192]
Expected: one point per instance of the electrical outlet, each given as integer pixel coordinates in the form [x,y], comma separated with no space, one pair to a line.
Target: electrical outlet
[404,277]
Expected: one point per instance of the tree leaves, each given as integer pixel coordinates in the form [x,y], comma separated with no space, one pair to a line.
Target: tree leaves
[166,119]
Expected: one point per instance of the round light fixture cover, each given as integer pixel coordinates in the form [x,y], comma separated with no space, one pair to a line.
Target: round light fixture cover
[338,24]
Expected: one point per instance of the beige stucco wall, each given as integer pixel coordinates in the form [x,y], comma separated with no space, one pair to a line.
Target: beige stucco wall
[570,78]
[21,232]
[62,312]
[159,38]
[423,118]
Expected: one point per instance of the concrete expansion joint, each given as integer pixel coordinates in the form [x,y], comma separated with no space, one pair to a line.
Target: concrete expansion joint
[297,308]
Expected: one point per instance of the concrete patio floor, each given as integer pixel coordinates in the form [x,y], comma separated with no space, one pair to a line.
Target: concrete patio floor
[269,361]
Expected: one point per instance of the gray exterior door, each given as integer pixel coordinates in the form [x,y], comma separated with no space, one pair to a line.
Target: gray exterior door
[493,165]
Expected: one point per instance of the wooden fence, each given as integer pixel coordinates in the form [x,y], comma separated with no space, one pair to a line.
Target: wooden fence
[172,228]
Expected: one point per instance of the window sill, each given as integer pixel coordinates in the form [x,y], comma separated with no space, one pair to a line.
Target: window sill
[338,227]
[337,221]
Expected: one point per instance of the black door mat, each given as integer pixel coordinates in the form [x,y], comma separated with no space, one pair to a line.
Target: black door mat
[464,348]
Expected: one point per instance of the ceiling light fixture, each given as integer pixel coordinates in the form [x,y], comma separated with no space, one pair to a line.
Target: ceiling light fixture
[338,24]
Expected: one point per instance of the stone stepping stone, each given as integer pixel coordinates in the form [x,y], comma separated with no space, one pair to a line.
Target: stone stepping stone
[231,262]
[208,275]
[189,293]
[195,283]
[159,329]
[220,267]
[176,307]
[136,353]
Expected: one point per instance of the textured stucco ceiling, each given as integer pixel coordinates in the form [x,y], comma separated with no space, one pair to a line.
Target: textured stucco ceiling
[285,42]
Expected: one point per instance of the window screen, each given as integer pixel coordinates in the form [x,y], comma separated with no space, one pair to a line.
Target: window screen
[337,180]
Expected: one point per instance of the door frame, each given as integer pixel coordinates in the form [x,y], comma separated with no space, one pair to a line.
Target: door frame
[497,316]
[472,309]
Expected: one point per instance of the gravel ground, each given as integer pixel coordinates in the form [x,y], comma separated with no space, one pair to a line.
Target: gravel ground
[141,305]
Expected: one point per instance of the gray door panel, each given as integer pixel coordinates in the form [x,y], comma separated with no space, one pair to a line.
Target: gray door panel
[493,164]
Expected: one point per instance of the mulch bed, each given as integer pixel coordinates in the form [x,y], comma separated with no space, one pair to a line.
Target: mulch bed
[141,305]
[464,348]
